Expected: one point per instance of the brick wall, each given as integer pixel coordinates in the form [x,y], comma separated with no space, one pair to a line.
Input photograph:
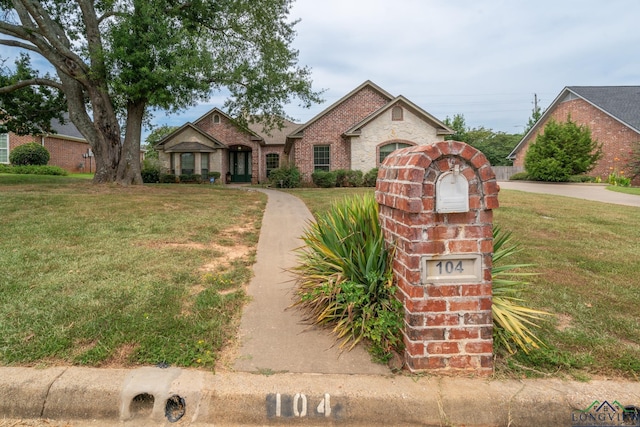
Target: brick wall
[328,130]
[617,139]
[448,323]
[64,153]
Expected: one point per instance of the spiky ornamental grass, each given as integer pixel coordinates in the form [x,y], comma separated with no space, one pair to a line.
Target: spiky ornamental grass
[512,322]
[345,281]
[345,278]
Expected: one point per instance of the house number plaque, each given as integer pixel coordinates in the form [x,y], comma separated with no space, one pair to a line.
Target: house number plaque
[453,268]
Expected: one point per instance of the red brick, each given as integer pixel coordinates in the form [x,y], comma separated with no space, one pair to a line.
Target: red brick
[477,232]
[428,190]
[477,319]
[485,304]
[479,347]
[425,334]
[443,290]
[463,362]
[415,348]
[475,290]
[479,160]
[471,305]
[468,152]
[426,363]
[491,202]
[463,333]
[414,291]
[442,319]
[462,246]
[490,188]
[442,348]
[462,218]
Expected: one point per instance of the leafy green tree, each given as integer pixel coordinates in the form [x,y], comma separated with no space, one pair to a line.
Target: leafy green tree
[496,146]
[459,125]
[563,150]
[28,110]
[117,60]
[536,113]
[154,137]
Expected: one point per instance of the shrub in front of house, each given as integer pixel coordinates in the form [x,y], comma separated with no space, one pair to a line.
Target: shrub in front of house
[150,175]
[190,178]
[324,179]
[349,178]
[285,177]
[33,170]
[150,171]
[563,150]
[520,176]
[29,154]
[168,178]
[370,178]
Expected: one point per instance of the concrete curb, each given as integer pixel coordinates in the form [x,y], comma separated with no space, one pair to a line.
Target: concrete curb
[139,397]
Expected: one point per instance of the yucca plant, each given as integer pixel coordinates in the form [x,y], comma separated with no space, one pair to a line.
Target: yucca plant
[345,280]
[512,322]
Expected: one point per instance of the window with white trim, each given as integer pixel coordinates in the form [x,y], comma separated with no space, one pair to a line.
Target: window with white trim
[4,148]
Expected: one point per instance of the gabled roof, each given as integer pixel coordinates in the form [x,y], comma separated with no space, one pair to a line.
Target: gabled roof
[622,103]
[66,129]
[275,136]
[442,129]
[216,110]
[299,132]
[191,126]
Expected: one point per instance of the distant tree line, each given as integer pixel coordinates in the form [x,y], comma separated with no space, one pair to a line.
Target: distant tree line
[496,146]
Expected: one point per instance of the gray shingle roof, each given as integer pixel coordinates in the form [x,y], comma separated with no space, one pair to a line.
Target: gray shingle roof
[621,102]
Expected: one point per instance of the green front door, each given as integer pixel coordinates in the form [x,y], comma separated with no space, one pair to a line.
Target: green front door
[240,166]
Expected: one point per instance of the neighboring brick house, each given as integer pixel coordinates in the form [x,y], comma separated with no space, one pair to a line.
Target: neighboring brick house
[611,112]
[355,133]
[67,147]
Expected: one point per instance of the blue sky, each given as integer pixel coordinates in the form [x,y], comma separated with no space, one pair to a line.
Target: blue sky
[482,58]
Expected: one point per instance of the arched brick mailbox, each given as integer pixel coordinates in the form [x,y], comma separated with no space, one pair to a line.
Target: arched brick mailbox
[436,206]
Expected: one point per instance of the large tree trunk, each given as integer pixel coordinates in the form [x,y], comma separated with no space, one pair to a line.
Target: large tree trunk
[102,132]
[128,172]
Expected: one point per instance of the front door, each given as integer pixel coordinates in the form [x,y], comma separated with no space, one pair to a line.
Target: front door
[240,166]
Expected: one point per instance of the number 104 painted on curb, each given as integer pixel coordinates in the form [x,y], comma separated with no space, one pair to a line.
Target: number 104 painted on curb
[297,406]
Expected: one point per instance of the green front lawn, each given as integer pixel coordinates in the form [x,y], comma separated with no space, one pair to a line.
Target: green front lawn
[108,276]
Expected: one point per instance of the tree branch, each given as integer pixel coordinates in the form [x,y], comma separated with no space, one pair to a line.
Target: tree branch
[31,82]
[21,45]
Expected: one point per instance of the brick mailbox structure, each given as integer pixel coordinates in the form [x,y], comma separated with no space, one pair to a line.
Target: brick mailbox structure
[436,206]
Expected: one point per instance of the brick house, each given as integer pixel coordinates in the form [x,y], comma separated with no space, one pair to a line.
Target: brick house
[357,132]
[611,112]
[67,147]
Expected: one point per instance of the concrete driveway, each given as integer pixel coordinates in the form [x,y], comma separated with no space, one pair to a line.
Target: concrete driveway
[594,192]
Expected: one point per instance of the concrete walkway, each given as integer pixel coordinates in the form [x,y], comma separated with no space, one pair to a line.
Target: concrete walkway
[274,337]
[593,192]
